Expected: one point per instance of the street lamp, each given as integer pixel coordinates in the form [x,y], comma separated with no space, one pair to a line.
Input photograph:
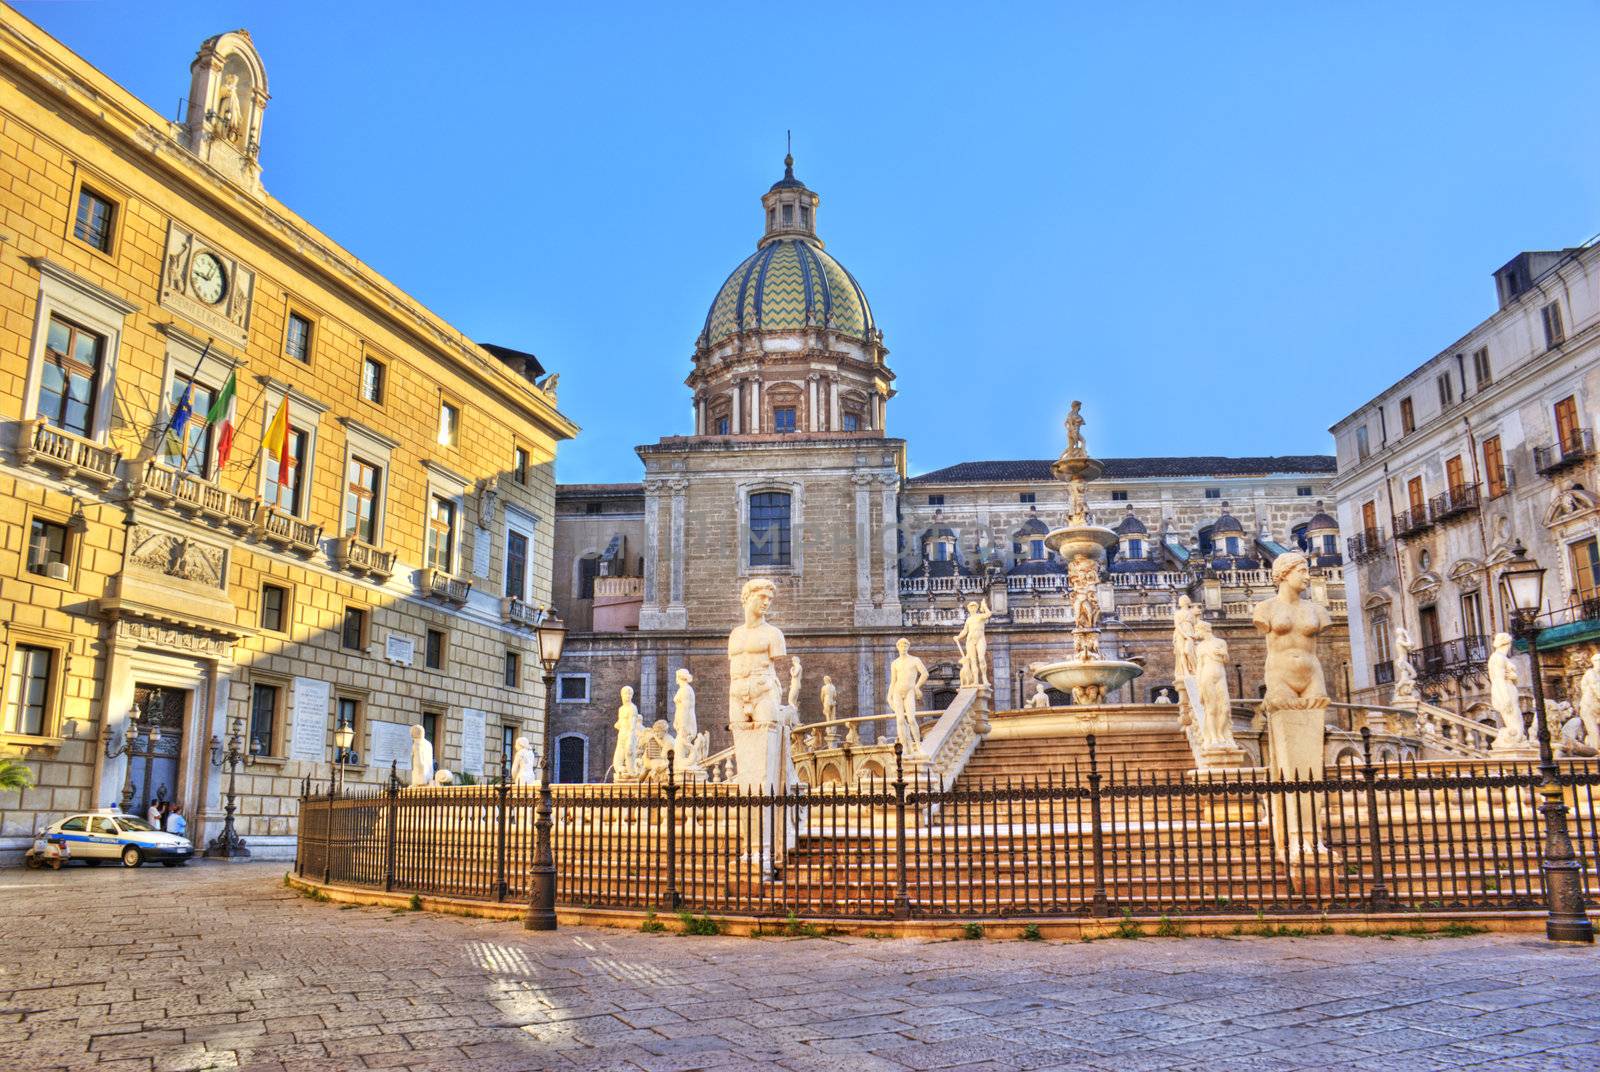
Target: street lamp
[1522,588]
[130,743]
[228,845]
[343,736]
[542,887]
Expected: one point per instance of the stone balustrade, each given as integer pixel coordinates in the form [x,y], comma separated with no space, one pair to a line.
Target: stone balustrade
[354,555]
[165,486]
[441,585]
[286,530]
[618,587]
[519,612]
[42,443]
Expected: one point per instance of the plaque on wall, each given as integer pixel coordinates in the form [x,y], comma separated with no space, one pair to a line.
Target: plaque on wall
[309,734]
[400,649]
[391,747]
[473,723]
[203,283]
[480,552]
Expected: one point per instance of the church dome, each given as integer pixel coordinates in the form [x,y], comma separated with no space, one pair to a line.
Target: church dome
[789,284]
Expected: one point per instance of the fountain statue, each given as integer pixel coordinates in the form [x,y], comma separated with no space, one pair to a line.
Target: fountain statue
[1082,545]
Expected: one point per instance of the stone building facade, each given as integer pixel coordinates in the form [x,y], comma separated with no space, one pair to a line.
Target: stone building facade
[1488,443]
[791,475]
[155,571]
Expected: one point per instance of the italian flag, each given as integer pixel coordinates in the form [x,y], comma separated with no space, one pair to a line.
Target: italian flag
[220,417]
[276,442]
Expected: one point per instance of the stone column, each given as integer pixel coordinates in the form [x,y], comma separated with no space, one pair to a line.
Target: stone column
[1000,674]
[890,488]
[835,421]
[206,820]
[863,549]
[649,664]
[755,405]
[676,612]
[649,612]
[699,414]
[738,404]
[868,702]
[814,401]
[114,714]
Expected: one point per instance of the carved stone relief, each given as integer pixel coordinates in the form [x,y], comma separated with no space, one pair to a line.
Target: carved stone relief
[176,556]
[190,285]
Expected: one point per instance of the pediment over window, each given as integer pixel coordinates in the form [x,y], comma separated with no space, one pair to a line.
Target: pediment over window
[1379,600]
[1467,573]
[1572,503]
[1426,583]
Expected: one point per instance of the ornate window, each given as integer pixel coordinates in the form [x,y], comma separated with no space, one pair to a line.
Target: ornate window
[362,496]
[71,379]
[769,528]
[442,533]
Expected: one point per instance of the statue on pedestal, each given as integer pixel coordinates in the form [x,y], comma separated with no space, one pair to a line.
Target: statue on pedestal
[1513,735]
[974,644]
[1184,617]
[1075,422]
[830,699]
[1405,675]
[1589,702]
[1084,577]
[1040,699]
[685,723]
[625,753]
[523,764]
[1296,702]
[755,697]
[1216,720]
[794,682]
[421,758]
[907,675]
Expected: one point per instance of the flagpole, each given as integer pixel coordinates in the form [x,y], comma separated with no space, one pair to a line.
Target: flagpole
[192,374]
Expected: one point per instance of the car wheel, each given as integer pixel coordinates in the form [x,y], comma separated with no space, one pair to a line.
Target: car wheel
[132,857]
[92,862]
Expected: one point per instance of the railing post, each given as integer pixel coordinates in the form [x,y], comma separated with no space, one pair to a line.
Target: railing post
[327,839]
[670,898]
[1378,898]
[902,899]
[1101,905]
[392,832]
[500,837]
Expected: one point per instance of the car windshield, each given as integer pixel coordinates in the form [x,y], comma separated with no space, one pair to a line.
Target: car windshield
[128,822]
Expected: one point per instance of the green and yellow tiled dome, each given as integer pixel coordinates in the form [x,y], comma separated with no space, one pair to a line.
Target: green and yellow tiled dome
[788,284]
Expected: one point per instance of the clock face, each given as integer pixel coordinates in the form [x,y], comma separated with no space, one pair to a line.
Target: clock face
[208,278]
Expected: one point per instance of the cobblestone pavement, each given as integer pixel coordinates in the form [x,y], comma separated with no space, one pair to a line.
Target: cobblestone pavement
[214,967]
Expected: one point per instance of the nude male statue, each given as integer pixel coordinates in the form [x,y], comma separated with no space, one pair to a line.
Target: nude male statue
[973,644]
[754,649]
[907,675]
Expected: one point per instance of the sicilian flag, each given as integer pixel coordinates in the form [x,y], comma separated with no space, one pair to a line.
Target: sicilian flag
[276,443]
[220,417]
[179,421]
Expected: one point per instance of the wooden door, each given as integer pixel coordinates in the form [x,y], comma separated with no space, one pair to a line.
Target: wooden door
[1428,625]
[1369,517]
[1454,477]
[1567,424]
[1419,505]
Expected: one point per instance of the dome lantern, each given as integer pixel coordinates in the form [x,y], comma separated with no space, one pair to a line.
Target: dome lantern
[791,209]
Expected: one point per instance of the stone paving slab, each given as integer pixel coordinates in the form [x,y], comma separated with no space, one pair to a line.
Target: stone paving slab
[213,967]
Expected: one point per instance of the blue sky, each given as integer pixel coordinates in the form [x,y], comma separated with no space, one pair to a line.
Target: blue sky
[1181,214]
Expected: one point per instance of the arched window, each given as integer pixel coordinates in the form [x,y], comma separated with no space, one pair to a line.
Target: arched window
[769,528]
[572,758]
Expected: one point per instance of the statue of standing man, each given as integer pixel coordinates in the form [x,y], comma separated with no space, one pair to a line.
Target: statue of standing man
[907,675]
[974,644]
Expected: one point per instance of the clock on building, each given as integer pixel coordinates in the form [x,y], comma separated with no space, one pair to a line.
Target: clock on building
[208,278]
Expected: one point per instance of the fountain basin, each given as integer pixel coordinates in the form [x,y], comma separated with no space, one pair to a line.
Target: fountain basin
[1087,682]
[1075,540]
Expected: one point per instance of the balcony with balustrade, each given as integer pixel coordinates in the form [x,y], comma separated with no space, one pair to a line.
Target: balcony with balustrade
[42,443]
[440,585]
[284,530]
[1364,546]
[1459,501]
[1574,448]
[362,558]
[187,494]
[514,611]
[1457,660]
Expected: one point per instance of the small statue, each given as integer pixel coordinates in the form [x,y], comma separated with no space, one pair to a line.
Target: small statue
[229,111]
[973,644]
[1040,699]
[523,763]
[548,386]
[655,741]
[443,777]
[1589,702]
[830,699]
[685,722]
[699,749]
[1075,422]
[1503,696]
[625,754]
[1184,618]
[421,758]
[1216,721]
[753,689]
[794,682]
[1077,502]
[1084,576]
[907,675]
[1405,675]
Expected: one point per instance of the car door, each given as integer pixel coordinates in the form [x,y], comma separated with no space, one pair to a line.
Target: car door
[75,832]
[104,840]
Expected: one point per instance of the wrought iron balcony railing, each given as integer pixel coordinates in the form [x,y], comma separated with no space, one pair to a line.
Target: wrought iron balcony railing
[1365,545]
[1574,448]
[1457,502]
[1409,523]
[1460,658]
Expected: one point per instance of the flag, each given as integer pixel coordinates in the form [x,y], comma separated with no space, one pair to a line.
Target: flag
[220,417]
[179,421]
[277,440]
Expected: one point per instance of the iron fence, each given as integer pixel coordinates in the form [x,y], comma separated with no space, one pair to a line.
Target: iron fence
[1077,841]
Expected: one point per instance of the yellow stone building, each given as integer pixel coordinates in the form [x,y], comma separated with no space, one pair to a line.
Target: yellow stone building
[391,579]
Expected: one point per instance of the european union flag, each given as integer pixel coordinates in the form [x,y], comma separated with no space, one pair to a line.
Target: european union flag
[180,421]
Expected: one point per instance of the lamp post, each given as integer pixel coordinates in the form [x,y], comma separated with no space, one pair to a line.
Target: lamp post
[343,736]
[130,743]
[228,845]
[1522,586]
[542,885]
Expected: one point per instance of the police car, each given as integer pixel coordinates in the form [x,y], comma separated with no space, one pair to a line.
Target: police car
[108,835]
